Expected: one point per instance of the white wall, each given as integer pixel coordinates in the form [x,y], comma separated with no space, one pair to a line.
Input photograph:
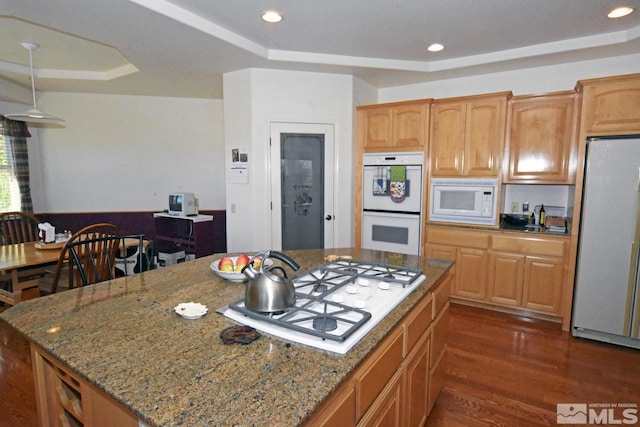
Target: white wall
[521,82]
[126,153]
[255,98]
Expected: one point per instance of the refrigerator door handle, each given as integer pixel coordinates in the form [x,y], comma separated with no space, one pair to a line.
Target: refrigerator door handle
[633,293]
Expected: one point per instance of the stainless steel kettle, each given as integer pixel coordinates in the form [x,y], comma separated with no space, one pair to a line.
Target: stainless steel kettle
[269,290]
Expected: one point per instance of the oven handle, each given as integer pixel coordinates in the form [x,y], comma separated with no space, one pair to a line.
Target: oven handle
[384,211]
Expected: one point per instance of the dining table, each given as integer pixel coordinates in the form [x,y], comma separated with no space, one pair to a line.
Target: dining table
[23,265]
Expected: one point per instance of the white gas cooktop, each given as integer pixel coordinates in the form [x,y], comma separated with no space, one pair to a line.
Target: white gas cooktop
[337,304]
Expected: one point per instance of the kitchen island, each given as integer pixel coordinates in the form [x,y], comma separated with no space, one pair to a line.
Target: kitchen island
[123,339]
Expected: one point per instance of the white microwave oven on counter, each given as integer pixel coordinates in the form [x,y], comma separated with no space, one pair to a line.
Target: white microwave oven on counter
[464,200]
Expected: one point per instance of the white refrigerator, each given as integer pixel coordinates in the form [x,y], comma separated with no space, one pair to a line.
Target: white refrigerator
[607,299]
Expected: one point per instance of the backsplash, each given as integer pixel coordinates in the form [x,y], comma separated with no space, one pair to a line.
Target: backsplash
[514,195]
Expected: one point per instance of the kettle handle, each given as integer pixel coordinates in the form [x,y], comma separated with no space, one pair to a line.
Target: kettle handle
[282,257]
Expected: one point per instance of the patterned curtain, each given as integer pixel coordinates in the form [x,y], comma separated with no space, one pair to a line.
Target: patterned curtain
[16,134]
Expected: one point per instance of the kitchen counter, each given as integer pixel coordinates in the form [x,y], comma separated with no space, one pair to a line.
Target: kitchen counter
[531,229]
[504,227]
[124,337]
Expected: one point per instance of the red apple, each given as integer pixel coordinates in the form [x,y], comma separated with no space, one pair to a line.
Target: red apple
[225,264]
[241,261]
[256,262]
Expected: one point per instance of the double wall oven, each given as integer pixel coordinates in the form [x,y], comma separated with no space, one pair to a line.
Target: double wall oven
[392,201]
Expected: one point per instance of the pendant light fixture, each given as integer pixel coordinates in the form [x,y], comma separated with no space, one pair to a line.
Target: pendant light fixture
[34,115]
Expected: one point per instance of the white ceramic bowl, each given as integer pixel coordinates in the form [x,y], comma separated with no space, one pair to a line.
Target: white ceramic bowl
[190,310]
[232,276]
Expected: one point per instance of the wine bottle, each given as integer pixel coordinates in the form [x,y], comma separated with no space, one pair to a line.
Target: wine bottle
[543,216]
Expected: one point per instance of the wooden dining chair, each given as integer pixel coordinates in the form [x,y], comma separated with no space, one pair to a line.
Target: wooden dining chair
[66,266]
[95,259]
[18,227]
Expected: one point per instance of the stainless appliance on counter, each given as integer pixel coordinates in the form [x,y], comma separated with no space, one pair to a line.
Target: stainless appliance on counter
[607,295]
[336,304]
[392,202]
[464,200]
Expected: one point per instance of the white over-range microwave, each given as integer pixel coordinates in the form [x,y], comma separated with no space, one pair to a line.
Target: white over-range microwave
[464,201]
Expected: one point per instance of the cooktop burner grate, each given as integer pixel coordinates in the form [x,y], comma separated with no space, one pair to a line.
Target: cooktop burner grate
[313,316]
[317,312]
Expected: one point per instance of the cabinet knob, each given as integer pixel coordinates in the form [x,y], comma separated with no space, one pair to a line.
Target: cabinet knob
[328,217]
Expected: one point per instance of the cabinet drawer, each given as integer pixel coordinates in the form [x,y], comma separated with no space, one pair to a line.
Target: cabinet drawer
[442,293]
[338,411]
[378,371]
[417,322]
[531,245]
[464,238]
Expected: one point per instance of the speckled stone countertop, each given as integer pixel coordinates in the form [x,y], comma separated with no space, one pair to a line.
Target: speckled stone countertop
[124,337]
[537,232]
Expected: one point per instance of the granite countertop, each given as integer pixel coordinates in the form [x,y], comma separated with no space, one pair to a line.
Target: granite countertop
[504,227]
[124,337]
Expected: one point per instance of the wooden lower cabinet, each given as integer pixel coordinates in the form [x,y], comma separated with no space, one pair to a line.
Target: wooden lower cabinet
[417,383]
[393,386]
[64,399]
[471,273]
[506,275]
[541,278]
[377,370]
[386,411]
[437,360]
[339,410]
[500,269]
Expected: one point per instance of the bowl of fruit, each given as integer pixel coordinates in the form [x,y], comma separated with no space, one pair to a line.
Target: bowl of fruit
[230,268]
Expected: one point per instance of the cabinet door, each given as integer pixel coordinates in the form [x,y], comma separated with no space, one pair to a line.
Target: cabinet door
[484,136]
[506,275]
[543,283]
[471,273]
[438,358]
[409,125]
[612,105]
[417,383]
[542,139]
[447,139]
[377,124]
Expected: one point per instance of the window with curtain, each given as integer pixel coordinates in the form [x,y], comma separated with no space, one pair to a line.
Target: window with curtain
[9,189]
[15,194]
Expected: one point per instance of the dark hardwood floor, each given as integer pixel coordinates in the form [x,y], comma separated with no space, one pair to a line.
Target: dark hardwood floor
[17,394]
[502,370]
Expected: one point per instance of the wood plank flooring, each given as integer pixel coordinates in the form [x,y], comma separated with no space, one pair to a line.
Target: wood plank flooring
[502,370]
[17,393]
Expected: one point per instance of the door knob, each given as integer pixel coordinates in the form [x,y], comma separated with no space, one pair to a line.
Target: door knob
[328,217]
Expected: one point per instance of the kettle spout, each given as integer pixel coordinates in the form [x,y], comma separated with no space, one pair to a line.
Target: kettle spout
[249,271]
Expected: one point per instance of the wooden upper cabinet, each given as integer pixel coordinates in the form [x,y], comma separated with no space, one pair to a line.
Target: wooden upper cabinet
[397,125]
[542,139]
[611,105]
[467,136]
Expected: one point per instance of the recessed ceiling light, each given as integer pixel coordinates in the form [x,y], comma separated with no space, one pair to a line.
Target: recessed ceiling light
[435,47]
[271,16]
[619,12]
